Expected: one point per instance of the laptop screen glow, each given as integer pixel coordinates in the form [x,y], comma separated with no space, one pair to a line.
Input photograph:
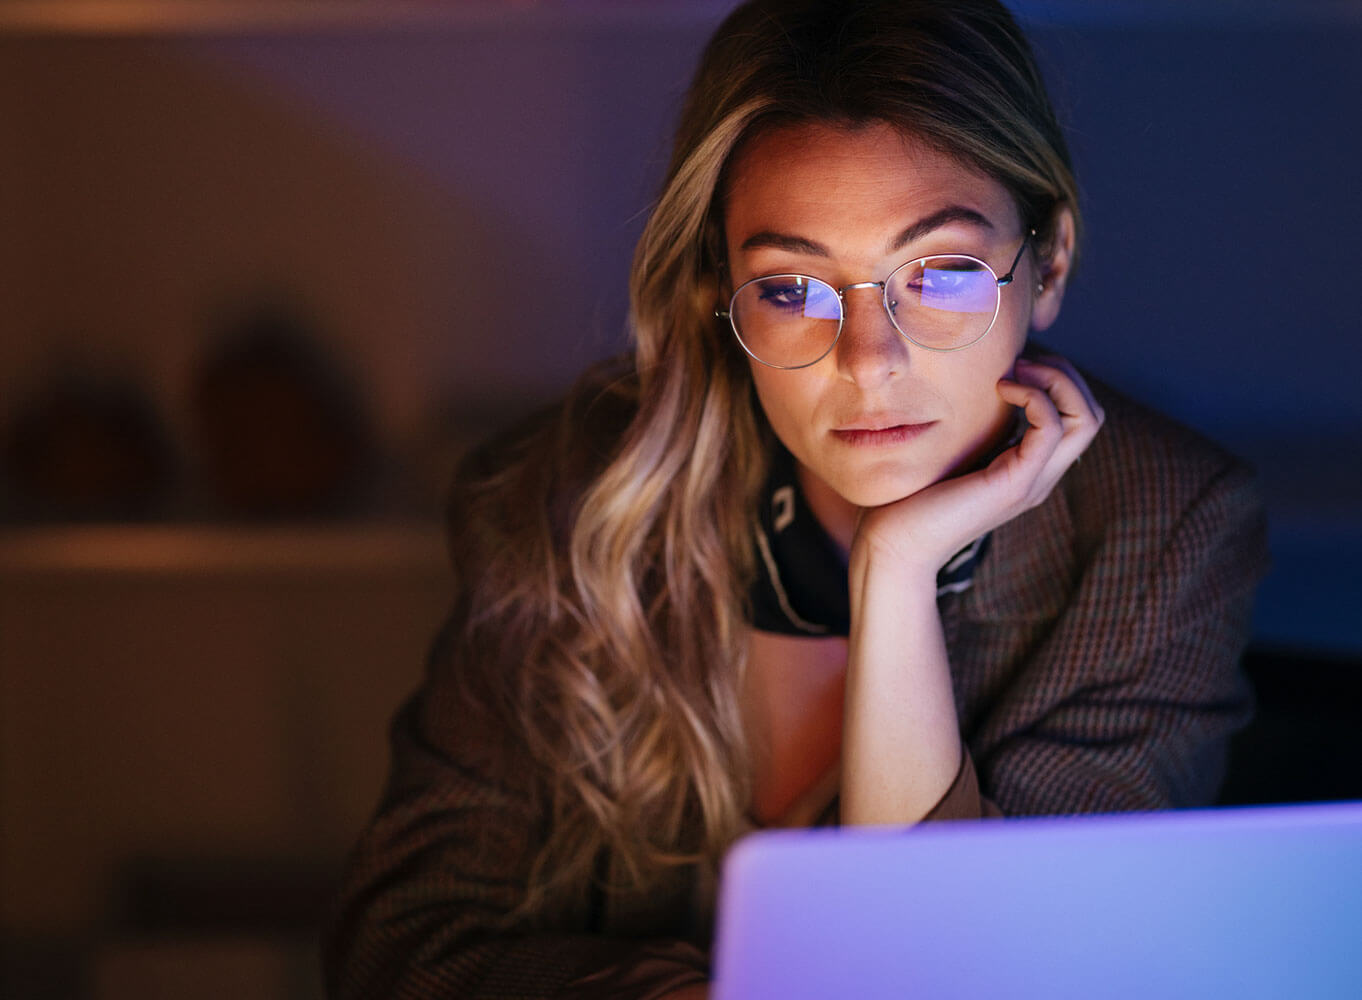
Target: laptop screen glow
[1256,903]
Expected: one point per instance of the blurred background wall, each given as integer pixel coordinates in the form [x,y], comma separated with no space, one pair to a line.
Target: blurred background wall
[437,201]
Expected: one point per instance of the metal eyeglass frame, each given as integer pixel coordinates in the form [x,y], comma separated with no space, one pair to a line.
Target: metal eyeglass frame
[883,286]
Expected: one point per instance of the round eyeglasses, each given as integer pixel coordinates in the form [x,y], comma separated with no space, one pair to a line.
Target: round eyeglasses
[945,302]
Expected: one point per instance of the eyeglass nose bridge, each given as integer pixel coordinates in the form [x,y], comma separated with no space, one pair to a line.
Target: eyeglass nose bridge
[841,292]
[882,287]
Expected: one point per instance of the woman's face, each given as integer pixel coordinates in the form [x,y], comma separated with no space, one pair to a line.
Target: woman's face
[878,418]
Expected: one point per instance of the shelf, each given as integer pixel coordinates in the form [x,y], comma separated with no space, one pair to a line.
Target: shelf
[213,549]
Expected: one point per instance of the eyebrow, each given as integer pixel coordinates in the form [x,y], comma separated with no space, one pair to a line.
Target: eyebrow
[802,244]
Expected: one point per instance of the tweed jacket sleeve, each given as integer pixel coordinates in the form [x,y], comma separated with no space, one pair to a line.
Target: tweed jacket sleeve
[423,913]
[1096,657]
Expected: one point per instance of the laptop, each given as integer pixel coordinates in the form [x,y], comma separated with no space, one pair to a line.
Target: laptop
[1235,903]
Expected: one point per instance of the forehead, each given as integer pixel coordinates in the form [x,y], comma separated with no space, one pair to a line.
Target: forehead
[855,183]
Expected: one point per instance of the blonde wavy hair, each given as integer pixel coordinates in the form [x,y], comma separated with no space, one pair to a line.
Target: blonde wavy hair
[606,555]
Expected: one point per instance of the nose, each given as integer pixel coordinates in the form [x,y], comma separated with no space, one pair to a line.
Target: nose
[870,349]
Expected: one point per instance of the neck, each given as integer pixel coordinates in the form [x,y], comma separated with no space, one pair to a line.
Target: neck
[835,513]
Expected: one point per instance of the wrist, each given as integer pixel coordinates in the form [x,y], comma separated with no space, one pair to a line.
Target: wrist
[871,565]
[889,592]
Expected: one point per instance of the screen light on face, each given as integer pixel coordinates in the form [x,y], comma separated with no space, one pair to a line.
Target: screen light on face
[821,302]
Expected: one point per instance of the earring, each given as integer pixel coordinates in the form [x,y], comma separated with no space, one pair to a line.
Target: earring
[1040,286]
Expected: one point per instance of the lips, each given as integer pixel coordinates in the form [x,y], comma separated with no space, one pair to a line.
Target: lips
[872,431]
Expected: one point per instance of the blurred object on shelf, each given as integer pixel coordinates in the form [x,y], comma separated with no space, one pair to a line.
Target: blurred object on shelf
[87,447]
[280,426]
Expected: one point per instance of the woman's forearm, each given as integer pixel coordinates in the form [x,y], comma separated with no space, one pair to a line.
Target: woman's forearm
[901,739]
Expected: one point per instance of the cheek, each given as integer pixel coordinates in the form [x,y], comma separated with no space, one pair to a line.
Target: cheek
[970,381]
[1003,343]
[790,401]
[781,399]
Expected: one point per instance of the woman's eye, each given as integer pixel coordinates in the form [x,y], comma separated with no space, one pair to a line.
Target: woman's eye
[946,282]
[785,295]
[964,288]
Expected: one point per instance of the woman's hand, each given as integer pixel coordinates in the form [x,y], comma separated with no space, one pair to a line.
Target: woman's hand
[901,747]
[921,532]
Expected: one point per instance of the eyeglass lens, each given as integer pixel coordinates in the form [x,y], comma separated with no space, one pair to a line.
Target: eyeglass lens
[942,303]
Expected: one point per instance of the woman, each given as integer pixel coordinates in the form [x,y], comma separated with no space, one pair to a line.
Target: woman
[822,550]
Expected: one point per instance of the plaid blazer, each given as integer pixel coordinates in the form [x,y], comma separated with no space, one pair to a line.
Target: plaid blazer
[1095,661]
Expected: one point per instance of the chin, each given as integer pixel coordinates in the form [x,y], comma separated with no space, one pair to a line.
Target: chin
[876,491]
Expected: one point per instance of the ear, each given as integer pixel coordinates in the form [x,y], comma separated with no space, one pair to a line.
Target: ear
[1053,272]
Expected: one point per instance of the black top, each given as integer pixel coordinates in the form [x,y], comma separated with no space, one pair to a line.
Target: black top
[801,585]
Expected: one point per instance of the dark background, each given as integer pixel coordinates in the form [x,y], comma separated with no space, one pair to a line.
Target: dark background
[438,201]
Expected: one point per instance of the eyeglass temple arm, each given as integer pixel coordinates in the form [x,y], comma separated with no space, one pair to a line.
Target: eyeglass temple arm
[1006,279]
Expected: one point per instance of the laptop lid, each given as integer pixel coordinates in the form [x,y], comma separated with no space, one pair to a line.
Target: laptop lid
[1244,903]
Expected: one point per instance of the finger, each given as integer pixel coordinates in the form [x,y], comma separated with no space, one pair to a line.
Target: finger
[1045,430]
[1079,412]
[1047,449]
[1066,382]
[1065,386]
